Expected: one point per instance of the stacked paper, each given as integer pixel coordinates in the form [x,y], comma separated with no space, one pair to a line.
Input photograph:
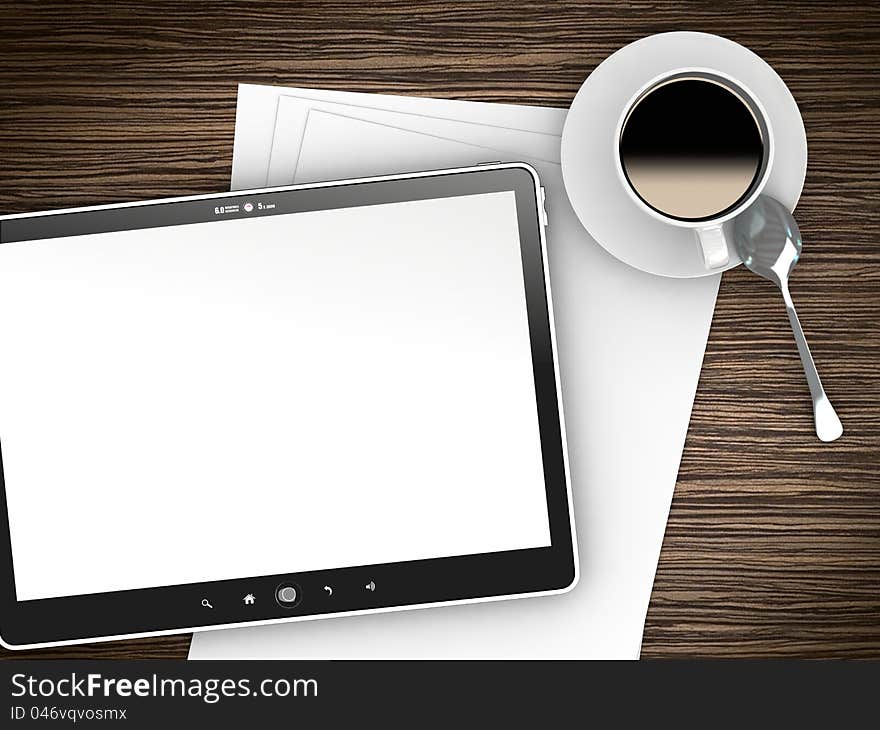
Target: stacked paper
[630,348]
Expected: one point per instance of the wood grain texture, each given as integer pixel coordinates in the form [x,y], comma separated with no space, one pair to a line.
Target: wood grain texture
[773,543]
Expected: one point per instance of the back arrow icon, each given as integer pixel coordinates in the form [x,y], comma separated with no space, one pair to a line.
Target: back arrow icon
[329,590]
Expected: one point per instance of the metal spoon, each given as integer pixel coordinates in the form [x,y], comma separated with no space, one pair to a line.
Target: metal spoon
[768,241]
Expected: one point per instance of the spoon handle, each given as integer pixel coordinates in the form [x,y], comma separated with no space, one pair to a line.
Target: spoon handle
[828,425]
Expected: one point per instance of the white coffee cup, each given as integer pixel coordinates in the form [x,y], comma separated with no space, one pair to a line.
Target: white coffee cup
[687,155]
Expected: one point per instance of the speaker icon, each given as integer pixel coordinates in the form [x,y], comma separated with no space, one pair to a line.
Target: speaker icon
[371,586]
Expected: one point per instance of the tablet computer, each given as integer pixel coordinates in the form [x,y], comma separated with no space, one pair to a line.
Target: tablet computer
[278,405]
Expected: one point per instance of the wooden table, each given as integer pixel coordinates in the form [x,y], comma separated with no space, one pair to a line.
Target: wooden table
[773,543]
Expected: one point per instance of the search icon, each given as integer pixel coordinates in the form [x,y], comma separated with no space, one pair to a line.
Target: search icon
[206,603]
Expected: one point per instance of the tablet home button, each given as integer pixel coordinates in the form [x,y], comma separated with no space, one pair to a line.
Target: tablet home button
[287,595]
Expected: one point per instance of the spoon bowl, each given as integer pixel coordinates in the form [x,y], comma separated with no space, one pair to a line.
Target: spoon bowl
[768,239]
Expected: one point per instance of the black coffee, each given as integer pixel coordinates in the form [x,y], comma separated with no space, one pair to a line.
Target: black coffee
[692,149]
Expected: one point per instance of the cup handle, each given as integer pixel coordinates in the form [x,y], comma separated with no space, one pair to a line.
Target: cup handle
[714,246]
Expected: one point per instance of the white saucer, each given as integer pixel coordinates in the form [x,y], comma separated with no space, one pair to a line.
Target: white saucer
[596,193]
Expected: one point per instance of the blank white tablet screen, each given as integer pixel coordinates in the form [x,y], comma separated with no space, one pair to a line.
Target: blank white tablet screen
[270,395]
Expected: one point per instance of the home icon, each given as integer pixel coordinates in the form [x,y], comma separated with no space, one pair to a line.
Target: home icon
[249,599]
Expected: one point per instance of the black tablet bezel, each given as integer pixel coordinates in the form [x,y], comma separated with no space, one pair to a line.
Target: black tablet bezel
[168,609]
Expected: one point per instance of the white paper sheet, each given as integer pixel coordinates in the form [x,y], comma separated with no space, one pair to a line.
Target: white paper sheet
[630,346]
[259,107]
